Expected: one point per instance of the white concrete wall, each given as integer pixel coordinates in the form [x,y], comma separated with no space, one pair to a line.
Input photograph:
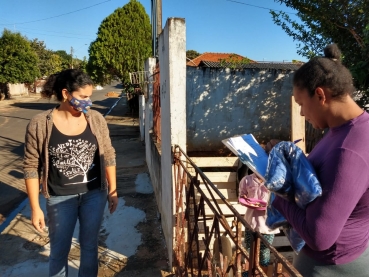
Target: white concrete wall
[17,89]
[151,152]
[172,59]
[223,103]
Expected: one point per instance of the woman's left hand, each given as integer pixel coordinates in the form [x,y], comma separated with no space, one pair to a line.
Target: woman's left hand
[112,201]
[269,146]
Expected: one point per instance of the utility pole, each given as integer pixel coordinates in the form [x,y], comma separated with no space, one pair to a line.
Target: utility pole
[153,27]
[159,8]
[71,56]
[156,23]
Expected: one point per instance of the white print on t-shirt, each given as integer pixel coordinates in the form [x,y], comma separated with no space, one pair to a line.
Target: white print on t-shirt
[74,158]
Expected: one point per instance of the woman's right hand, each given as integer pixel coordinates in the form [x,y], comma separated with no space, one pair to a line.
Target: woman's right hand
[38,220]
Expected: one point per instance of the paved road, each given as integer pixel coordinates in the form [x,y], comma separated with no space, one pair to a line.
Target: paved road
[14,117]
[131,242]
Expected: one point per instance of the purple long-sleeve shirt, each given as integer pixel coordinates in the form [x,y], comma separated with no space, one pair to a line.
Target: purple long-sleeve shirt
[335,226]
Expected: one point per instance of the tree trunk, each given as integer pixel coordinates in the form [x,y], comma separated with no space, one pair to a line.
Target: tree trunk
[3,91]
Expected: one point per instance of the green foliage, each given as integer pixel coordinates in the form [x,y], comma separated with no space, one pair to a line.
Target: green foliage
[234,62]
[48,62]
[66,58]
[18,61]
[55,64]
[322,22]
[191,54]
[123,43]
[80,64]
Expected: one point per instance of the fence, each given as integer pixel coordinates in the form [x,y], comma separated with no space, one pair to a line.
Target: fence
[189,259]
[312,137]
[156,108]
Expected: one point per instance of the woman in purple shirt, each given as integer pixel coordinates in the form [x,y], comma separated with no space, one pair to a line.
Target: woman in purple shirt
[335,226]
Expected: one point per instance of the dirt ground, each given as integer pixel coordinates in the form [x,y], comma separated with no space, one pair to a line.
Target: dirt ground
[151,256]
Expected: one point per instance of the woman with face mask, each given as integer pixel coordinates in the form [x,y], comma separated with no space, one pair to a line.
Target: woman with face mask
[68,150]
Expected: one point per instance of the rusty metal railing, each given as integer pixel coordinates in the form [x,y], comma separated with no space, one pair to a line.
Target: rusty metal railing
[156,106]
[192,250]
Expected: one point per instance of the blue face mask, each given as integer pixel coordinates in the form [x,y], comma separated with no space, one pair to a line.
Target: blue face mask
[80,105]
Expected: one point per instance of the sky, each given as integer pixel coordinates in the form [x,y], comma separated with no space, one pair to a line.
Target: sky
[244,27]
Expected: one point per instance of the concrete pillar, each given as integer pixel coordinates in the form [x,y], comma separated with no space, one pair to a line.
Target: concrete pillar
[141,114]
[172,60]
[149,67]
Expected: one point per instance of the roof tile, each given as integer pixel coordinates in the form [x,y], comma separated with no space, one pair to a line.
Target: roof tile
[281,66]
[214,57]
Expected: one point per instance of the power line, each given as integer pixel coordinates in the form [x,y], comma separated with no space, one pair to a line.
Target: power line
[55,16]
[56,32]
[260,7]
[48,31]
[27,32]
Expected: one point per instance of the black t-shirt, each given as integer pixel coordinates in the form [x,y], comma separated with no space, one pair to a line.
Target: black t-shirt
[74,164]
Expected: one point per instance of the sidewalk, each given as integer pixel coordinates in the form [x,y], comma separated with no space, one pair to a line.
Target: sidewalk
[131,240]
[24,98]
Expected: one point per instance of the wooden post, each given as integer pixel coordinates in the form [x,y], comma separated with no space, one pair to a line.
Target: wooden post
[297,125]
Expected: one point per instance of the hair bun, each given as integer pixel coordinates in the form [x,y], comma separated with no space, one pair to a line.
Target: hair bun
[332,51]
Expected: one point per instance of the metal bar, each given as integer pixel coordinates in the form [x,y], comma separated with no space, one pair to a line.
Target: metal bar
[191,193]
[212,196]
[205,178]
[210,204]
[218,218]
[238,254]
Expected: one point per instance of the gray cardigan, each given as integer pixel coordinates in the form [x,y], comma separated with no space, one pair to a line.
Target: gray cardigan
[36,158]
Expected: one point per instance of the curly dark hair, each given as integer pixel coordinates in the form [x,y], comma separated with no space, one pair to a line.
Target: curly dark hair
[328,72]
[70,79]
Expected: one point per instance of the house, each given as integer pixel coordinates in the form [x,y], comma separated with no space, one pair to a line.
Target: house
[192,108]
[251,65]
[217,57]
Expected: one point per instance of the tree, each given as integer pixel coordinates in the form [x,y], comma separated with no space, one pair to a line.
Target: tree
[18,61]
[322,22]
[48,62]
[65,58]
[55,63]
[80,64]
[234,61]
[191,54]
[123,43]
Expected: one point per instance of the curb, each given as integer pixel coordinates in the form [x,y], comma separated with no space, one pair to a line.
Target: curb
[10,101]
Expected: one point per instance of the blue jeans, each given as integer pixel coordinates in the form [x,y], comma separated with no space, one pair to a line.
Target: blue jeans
[62,214]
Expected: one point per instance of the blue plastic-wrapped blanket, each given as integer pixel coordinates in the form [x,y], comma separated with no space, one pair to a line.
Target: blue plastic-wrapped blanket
[291,176]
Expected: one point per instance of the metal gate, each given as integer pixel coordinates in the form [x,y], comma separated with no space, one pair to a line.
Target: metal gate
[190,211]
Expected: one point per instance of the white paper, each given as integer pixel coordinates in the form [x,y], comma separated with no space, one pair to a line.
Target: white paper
[249,152]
